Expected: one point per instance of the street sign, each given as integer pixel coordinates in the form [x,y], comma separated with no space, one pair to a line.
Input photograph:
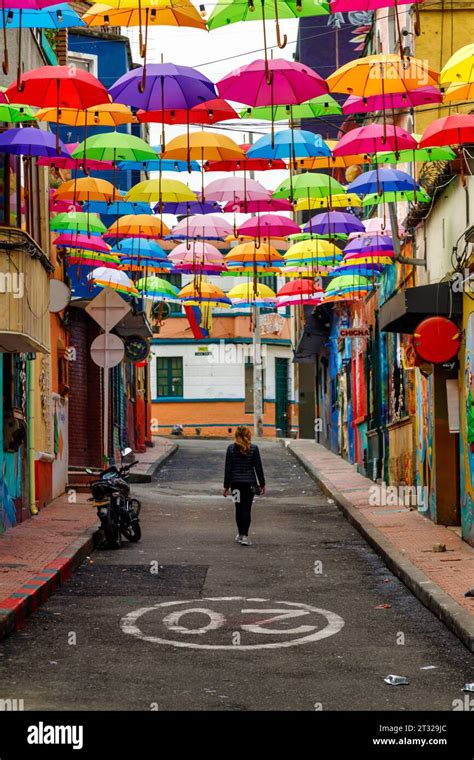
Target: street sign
[107,350]
[107,309]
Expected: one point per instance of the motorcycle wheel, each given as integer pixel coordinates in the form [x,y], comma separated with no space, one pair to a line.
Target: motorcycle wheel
[136,506]
[112,534]
[133,532]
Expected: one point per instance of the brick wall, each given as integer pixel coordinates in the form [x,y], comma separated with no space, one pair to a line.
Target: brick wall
[85,396]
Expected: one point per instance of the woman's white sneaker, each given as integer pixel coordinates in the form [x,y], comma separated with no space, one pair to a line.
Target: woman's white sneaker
[245,541]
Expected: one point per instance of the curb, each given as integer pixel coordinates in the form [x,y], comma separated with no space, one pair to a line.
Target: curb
[147,477]
[15,608]
[455,617]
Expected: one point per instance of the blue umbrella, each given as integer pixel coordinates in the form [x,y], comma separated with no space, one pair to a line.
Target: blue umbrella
[365,270]
[139,247]
[156,165]
[289,143]
[58,16]
[119,208]
[188,208]
[29,141]
[381,181]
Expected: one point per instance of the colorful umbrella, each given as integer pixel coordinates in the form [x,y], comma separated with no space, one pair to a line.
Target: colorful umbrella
[330,162]
[118,208]
[350,287]
[382,180]
[391,101]
[59,16]
[235,189]
[157,287]
[200,258]
[460,67]
[157,165]
[461,91]
[88,189]
[381,74]
[252,294]
[161,190]
[308,185]
[203,145]
[77,221]
[369,245]
[202,226]
[30,141]
[255,207]
[137,247]
[339,200]
[247,164]
[289,143]
[372,138]
[146,265]
[75,164]
[268,226]
[417,155]
[104,277]
[455,129]
[200,291]
[115,147]
[81,242]
[91,259]
[299,292]
[247,258]
[323,105]
[188,208]
[334,224]
[401,196]
[14,114]
[102,115]
[138,225]
[211,112]
[272,83]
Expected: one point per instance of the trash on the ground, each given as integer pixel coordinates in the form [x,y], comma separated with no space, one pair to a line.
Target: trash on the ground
[383,606]
[470,592]
[330,501]
[439,547]
[53,662]
[396,680]
[468,687]
[429,667]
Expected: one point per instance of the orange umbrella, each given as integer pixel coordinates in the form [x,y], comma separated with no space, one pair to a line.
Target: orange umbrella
[103,115]
[380,75]
[87,189]
[138,225]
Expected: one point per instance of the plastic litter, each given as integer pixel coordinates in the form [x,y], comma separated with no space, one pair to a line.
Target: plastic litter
[468,687]
[396,680]
[382,606]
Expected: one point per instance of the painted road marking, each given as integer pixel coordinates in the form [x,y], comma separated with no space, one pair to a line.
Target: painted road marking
[232,612]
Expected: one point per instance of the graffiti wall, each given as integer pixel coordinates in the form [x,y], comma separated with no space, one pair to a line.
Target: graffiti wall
[466,438]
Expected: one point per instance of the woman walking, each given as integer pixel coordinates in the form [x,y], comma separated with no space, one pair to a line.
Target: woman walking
[243,478]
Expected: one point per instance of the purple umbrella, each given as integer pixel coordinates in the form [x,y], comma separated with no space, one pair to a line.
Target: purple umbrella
[369,245]
[333,223]
[29,141]
[167,87]
[187,208]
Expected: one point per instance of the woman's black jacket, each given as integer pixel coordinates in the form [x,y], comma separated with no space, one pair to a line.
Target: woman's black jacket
[243,469]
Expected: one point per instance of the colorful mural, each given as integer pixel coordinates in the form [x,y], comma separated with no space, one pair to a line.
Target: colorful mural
[466,438]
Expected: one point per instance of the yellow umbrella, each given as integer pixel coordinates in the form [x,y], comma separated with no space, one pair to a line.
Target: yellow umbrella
[160,190]
[87,189]
[200,291]
[252,293]
[104,115]
[312,248]
[334,201]
[460,67]
[381,74]
[459,91]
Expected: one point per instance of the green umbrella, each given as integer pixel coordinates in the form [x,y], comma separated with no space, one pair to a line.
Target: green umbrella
[77,221]
[115,146]
[225,13]
[13,114]
[313,236]
[309,185]
[417,156]
[156,287]
[324,105]
[374,199]
[346,281]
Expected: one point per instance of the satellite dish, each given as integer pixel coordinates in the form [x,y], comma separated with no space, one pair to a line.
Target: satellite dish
[59,295]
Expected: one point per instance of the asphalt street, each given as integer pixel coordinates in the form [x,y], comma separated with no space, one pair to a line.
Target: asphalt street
[189,620]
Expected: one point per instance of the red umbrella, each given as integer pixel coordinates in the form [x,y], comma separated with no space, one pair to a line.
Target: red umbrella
[456,129]
[58,87]
[373,138]
[247,164]
[211,112]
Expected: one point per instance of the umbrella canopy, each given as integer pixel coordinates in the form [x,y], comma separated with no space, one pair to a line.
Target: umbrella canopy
[102,115]
[268,225]
[188,208]
[104,277]
[391,101]
[92,259]
[460,67]
[291,83]
[118,208]
[369,245]
[16,114]
[114,146]
[455,129]
[138,225]
[382,180]
[161,190]
[203,145]
[59,16]
[77,221]
[417,155]
[88,189]
[334,224]
[289,143]
[157,165]
[309,185]
[381,74]
[147,12]
[145,264]
[59,87]
[246,164]
[339,200]
[157,287]
[246,258]
[168,86]
[234,189]
[255,207]
[225,12]
[461,91]
[349,287]
[332,161]
[401,196]
[81,242]
[299,291]
[30,141]
[202,291]
[251,293]
[201,257]
[68,162]
[137,247]
[323,105]
[211,112]
[372,138]
[313,251]
[202,226]
[348,6]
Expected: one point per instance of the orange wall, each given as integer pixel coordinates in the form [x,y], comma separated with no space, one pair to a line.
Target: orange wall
[222,327]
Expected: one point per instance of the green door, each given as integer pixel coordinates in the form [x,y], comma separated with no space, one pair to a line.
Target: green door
[281,397]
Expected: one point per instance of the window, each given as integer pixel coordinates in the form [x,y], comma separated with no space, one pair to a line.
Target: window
[176,280]
[169,376]
[270,281]
[248,379]
[84,61]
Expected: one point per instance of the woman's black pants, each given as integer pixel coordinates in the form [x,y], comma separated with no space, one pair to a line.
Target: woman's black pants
[242,496]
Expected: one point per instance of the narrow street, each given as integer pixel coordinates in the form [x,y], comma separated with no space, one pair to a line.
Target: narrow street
[81,651]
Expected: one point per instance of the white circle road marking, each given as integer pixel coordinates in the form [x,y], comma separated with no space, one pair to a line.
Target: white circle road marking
[129,624]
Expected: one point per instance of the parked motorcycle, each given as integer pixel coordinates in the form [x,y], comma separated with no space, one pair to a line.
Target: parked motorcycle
[117,512]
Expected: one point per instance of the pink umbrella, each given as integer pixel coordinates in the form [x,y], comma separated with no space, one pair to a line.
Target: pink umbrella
[92,243]
[373,138]
[210,226]
[268,225]
[201,258]
[236,189]
[58,162]
[348,6]
[391,101]
[272,83]
[254,207]
[57,207]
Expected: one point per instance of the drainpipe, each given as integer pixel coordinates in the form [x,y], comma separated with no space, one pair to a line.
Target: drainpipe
[31,437]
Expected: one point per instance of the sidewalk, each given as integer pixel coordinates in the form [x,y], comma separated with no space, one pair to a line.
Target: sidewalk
[403,538]
[41,553]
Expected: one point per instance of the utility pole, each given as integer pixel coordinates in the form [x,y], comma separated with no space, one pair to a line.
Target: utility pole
[257,359]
